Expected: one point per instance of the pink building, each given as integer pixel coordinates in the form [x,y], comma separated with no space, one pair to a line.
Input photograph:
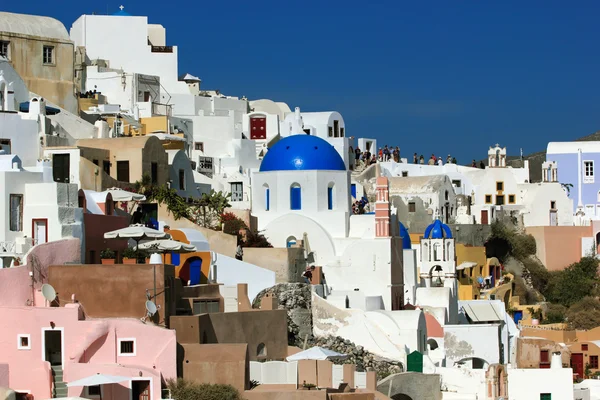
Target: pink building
[43,348]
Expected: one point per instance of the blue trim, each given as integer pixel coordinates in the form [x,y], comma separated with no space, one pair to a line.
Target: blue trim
[24,107]
[175,259]
[268,198]
[330,198]
[438,230]
[296,198]
[353,190]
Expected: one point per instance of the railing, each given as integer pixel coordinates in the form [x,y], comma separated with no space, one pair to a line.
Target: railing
[162,109]
[162,49]
[7,247]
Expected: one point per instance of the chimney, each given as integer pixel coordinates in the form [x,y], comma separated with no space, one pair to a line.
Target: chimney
[556,361]
[382,208]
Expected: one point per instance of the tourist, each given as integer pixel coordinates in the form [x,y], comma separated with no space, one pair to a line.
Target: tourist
[454,160]
[431,160]
[308,274]
[380,155]
[421,159]
[449,159]
[397,154]
[138,216]
[481,165]
[357,154]
[239,252]
[474,164]
[415,159]
[439,161]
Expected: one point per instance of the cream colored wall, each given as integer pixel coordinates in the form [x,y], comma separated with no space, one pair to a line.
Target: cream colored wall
[287,263]
[53,82]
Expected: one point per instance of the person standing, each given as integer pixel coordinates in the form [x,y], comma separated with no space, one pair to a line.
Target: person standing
[415,159]
[308,274]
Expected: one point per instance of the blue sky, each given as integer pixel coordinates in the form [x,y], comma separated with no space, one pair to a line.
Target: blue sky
[429,76]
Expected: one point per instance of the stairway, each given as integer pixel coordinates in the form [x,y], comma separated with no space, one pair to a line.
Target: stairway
[60,388]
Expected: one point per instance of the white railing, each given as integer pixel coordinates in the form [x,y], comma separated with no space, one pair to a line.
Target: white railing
[7,247]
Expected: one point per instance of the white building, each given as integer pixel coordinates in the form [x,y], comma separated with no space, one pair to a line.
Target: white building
[544,384]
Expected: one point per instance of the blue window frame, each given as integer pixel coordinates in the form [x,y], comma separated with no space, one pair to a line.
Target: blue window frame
[330,198]
[267,199]
[295,197]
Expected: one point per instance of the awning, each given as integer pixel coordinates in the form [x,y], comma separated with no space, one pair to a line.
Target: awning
[466,265]
[98,379]
[482,311]
[316,353]
[24,107]
[167,246]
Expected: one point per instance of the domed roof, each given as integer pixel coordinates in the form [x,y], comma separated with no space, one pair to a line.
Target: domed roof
[33,25]
[302,153]
[438,230]
[406,244]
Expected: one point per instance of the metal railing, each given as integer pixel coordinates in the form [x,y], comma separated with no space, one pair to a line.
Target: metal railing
[7,247]
[162,49]
[162,109]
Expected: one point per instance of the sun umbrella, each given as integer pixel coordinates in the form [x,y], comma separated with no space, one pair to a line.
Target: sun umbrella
[167,246]
[135,232]
[123,195]
[98,379]
[316,353]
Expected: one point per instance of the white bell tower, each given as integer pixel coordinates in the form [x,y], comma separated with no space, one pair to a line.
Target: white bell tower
[438,258]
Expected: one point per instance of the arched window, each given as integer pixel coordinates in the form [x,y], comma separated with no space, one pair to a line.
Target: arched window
[261,350]
[295,197]
[432,344]
[446,195]
[330,196]
[437,256]
[267,197]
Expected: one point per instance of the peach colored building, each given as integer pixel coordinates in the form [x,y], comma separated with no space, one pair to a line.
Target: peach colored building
[46,347]
[559,246]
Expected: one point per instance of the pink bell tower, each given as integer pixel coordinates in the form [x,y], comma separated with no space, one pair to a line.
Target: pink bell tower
[382,208]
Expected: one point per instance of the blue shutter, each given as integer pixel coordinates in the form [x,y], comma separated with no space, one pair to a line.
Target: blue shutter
[353,190]
[195,271]
[330,198]
[175,259]
[268,199]
[295,198]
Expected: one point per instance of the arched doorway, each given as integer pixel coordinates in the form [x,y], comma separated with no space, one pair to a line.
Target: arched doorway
[191,271]
[432,343]
[401,396]
[474,363]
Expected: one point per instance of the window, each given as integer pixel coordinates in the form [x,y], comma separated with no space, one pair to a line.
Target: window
[499,186]
[16,212]
[106,167]
[412,207]
[267,198]
[181,179]
[127,347]
[488,199]
[295,197]
[199,146]
[237,191]
[24,342]
[553,205]
[206,306]
[511,199]
[446,195]
[4,46]
[307,131]
[93,391]
[457,183]
[261,350]
[95,162]
[330,134]
[584,347]
[588,172]
[594,362]
[336,128]
[544,356]
[499,200]
[545,396]
[404,174]
[341,132]
[154,172]
[48,55]
[330,196]
[123,171]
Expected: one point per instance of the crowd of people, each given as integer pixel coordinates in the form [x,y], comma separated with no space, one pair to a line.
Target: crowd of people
[360,206]
[386,153]
[433,160]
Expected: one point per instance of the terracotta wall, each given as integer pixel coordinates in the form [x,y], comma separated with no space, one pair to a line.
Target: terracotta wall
[252,327]
[592,351]
[529,352]
[119,291]
[95,227]
[559,246]
[215,363]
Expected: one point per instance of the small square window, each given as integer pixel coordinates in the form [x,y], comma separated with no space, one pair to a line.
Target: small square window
[127,347]
[499,186]
[94,391]
[499,200]
[404,174]
[199,146]
[594,362]
[511,199]
[553,205]
[24,342]
[412,207]
[456,183]
[488,199]
[48,55]
[584,347]
[588,172]
[4,47]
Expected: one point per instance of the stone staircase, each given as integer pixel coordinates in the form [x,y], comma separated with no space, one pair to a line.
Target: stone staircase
[60,388]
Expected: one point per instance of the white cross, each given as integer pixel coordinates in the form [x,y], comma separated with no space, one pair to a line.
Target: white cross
[121,7]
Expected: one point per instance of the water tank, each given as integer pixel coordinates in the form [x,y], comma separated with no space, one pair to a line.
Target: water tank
[556,361]
[102,129]
[37,106]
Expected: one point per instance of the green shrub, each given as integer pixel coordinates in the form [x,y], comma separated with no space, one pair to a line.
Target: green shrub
[555,314]
[182,389]
[129,253]
[107,254]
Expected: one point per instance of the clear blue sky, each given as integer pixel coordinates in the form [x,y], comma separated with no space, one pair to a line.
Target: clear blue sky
[429,76]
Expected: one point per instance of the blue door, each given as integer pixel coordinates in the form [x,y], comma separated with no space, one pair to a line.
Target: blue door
[295,198]
[195,271]
[353,190]
[517,316]
[175,259]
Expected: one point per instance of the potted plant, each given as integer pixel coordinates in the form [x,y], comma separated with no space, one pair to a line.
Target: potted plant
[107,256]
[17,262]
[129,256]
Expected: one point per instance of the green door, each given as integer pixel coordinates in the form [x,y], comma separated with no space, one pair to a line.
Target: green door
[545,396]
[415,362]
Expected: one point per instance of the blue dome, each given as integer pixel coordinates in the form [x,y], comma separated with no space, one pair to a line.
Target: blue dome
[122,13]
[302,153]
[406,245]
[437,230]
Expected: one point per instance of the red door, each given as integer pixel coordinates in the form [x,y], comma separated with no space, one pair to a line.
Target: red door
[577,364]
[484,217]
[258,128]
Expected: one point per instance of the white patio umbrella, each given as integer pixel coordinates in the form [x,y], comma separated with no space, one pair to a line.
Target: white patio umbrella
[136,232]
[167,246]
[98,379]
[316,353]
[119,194]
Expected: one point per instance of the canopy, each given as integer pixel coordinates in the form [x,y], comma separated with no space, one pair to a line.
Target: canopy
[466,264]
[98,379]
[136,232]
[167,246]
[123,195]
[24,107]
[315,353]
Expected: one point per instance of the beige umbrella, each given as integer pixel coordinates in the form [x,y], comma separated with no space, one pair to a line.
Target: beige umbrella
[167,246]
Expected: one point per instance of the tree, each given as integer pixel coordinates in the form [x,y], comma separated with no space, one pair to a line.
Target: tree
[585,314]
[555,314]
[575,282]
[210,208]
[182,389]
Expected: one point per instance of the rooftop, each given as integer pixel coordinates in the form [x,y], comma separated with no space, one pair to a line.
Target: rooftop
[417,184]
[33,25]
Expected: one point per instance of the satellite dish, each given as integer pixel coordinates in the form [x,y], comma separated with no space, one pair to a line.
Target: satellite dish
[151,308]
[48,292]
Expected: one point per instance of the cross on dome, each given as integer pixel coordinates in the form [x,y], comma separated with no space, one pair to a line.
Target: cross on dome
[121,7]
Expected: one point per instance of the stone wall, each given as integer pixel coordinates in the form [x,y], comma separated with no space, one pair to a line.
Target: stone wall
[471,235]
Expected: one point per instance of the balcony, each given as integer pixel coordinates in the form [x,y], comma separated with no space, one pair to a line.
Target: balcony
[161,49]
[16,247]
[162,109]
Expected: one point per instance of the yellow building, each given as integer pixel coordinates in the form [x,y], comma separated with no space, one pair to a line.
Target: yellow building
[42,53]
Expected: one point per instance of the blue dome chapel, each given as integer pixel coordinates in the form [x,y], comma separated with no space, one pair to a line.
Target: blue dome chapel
[302,153]
[438,230]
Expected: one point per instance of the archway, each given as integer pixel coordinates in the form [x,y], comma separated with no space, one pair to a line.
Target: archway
[291,241]
[474,363]
[498,248]
[401,396]
[261,350]
[191,271]
[432,343]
